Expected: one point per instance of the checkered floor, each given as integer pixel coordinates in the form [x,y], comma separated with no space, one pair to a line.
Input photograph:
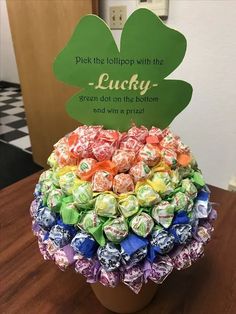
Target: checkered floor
[13,125]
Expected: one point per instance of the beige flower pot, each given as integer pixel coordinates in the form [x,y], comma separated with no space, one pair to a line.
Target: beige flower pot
[122,300]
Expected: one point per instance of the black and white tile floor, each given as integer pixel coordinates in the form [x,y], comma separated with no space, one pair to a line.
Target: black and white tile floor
[13,125]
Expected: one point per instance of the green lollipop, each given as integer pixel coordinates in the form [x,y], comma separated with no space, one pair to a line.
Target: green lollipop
[128,205]
[83,195]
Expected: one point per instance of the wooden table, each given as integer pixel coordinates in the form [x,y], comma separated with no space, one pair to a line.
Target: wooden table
[31,285]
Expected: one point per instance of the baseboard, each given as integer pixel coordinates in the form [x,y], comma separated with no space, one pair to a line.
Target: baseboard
[5,84]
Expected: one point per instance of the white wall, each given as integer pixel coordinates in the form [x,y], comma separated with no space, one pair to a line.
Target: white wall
[8,68]
[208,125]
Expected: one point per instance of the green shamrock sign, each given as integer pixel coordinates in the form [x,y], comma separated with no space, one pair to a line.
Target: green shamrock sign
[126,85]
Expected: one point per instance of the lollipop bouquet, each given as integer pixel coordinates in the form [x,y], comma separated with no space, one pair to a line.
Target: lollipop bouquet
[124,204]
[122,207]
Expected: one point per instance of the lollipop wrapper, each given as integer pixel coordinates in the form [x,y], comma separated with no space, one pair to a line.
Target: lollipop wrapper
[54,199]
[163,213]
[201,205]
[89,220]
[68,211]
[160,270]
[83,195]
[84,244]
[116,230]
[123,159]
[51,248]
[35,228]
[149,154]
[181,217]
[68,182]
[182,259]
[133,243]
[106,205]
[128,205]
[43,250]
[37,190]
[142,224]
[156,134]
[46,175]
[180,201]
[130,143]
[123,183]
[169,141]
[203,234]
[189,188]
[139,171]
[106,143]
[85,166]
[60,236]
[135,258]
[140,133]
[196,250]
[181,232]
[133,278]
[64,257]
[161,242]
[35,205]
[45,218]
[102,181]
[109,278]
[169,156]
[146,195]
[89,268]
[109,257]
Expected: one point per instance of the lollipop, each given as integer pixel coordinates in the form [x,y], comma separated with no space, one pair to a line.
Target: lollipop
[163,213]
[162,241]
[123,159]
[169,156]
[123,183]
[54,199]
[128,205]
[162,183]
[138,133]
[45,218]
[116,230]
[87,267]
[180,201]
[109,278]
[84,244]
[160,270]
[149,154]
[83,195]
[85,166]
[142,224]
[130,143]
[147,196]
[68,182]
[182,233]
[46,175]
[90,220]
[133,278]
[52,160]
[59,235]
[109,257]
[102,181]
[135,258]
[139,171]
[64,257]
[106,205]
[189,188]
[69,211]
